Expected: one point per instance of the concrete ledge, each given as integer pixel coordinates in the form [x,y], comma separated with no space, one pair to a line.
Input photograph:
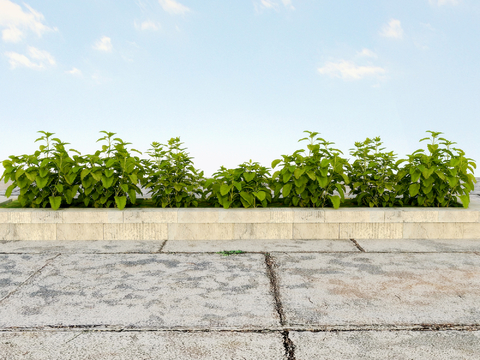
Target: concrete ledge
[238,224]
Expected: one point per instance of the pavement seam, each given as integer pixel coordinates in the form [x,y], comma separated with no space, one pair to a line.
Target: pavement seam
[161,247]
[357,245]
[28,279]
[287,342]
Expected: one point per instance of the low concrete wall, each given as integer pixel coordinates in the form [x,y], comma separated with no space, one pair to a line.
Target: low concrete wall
[221,224]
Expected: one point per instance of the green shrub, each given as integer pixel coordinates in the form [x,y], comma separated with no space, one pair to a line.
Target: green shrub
[245,186]
[311,180]
[437,178]
[373,175]
[172,179]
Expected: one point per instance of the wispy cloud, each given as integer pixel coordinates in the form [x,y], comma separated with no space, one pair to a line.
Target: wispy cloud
[261,5]
[173,7]
[16,21]
[75,72]
[444,2]
[36,59]
[367,53]
[104,44]
[147,25]
[392,30]
[348,70]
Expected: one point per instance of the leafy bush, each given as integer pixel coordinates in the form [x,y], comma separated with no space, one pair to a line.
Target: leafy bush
[112,176]
[373,174]
[48,177]
[245,186]
[172,179]
[439,177]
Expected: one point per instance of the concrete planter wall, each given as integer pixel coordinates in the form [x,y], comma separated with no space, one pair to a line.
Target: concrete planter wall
[220,224]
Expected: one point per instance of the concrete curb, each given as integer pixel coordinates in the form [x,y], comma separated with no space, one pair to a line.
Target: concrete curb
[238,224]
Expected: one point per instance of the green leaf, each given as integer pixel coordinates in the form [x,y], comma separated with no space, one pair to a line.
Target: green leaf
[97,175]
[43,171]
[133,178]
[124,187]
[178,187]
[55,202]
[416,176]
[452,181]
[465,200]
[311,175]
[335,201]
[133,195]
[275,163]
[322,181]
[59,188]
[286,177]
[247,197]
[224,189]
[110,162]
[298,172]
[413,189]
[10,189]
[109,172]
[291,168]
[261,195]
[286,190]
[19,173]
[84,173]
[31,175]
[41,182]
[121,202]
[248,176]
[107,182]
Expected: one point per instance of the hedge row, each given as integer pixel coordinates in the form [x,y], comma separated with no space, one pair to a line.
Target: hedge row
[315,177]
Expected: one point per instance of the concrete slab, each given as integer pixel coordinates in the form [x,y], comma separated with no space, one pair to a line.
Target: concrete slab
[259,245]
[160,291]
[379,289]
[80,247]
[140,345]
[16,269]
[398,345]
[422,245]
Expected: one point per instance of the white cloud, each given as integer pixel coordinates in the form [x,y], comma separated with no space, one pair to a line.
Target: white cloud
[147,25]
[444,2]
[271,5]
[75,72]
[367,53]
[43,58]
[173,7]
[392,30]
[104,44]
[16,21]
[348,70]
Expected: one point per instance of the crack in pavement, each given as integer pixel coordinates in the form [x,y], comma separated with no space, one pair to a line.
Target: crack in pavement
[28,279]
[357,245]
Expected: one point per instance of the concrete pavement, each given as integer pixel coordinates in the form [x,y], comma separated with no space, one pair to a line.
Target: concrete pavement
[305,299]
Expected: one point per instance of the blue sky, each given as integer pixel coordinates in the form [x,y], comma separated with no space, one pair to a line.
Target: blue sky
[239,80]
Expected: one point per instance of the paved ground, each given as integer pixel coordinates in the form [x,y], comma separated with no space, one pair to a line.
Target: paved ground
[317,299]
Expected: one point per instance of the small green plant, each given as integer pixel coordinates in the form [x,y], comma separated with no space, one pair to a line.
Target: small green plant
[172,179]
[373,174]
[311,180]
[111,176]
[46,178]
[230,252]
[439,177]
[245,186]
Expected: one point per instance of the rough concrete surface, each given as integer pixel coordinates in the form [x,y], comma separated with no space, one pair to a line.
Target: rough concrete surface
[80,247]
[313,299]
[383,345]
[422,245]
[185,291]
[379,289]
[140,345]
[260,245]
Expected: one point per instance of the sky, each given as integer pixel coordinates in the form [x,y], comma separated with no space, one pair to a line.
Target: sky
[239,80]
